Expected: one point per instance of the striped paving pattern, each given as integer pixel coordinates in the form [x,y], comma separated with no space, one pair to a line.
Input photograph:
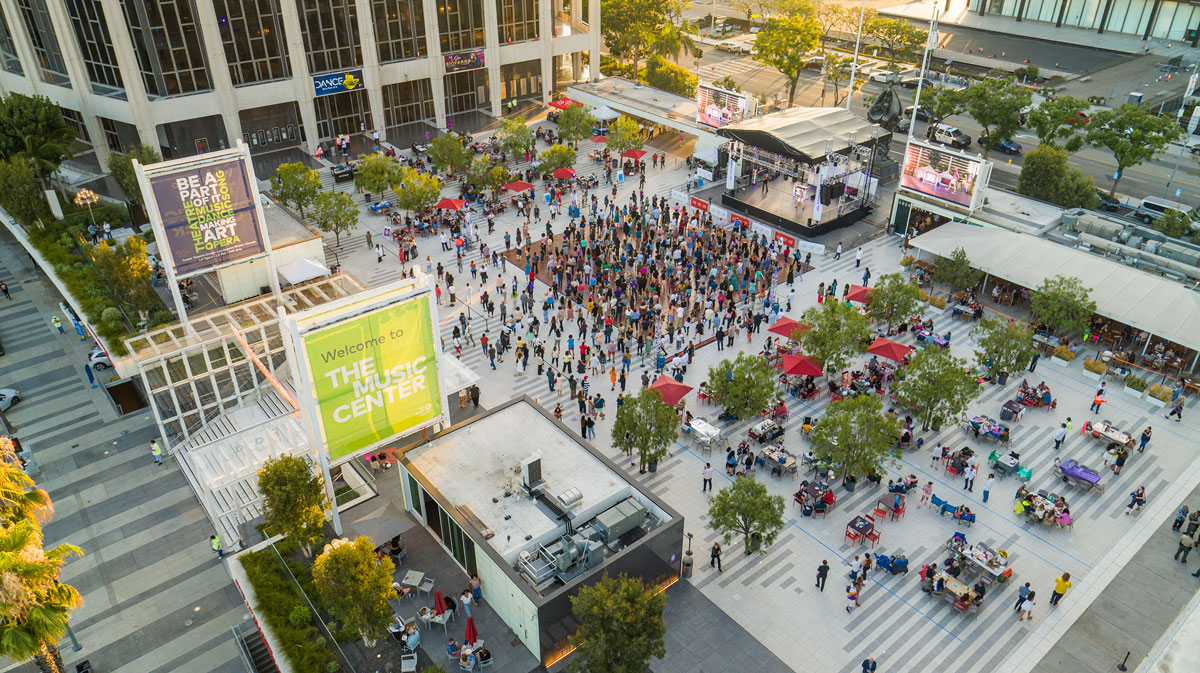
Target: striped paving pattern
[155,597]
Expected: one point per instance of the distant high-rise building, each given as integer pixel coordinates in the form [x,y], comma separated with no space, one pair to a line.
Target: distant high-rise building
[188,76]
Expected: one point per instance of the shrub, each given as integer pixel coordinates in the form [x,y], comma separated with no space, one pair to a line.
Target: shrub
[1161,392]
[1136,382]
[1095,366]
[277,599]
[111,314]
[937,300]
[1063,353]
[907,260]
[299,617]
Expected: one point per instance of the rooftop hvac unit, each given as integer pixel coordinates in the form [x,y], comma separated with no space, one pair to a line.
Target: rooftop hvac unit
[531,472]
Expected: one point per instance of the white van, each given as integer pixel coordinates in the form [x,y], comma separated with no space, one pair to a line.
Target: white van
[1151,208]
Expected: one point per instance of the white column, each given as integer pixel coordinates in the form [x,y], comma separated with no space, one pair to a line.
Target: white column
[301,79]
[23,47]
[218,73]
[76,70]
[546,30]
[594,39]
[372,76]
[131,75]
[491,53]
[437,66]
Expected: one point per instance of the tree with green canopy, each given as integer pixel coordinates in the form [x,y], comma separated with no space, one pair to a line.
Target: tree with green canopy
[672,39]
[575,123]
[1058,121]
[662,74]
[294,500]
[20,192]
[744,385]
[120,167]
[995,104]
[838,333]
[1003,346]
[746,508]
[514,137]
[898,37]
[628,27]
[893,299]
[1174,224]
[1046,174]
[335,213]
[297,185]
[448,154]
[621,626]
[123,269]
[355,586]
[936,386]
[33,129]
[557,156]
[1063,304]
[624,134]
[644,423]
[375,173]
[956,272]
[416,190]
[1134,135]
[485,175]
[785,44]
[940,103]
[856,436]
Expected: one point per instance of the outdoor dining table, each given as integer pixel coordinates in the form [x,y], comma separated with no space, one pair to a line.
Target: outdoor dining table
[778,458]
[412,578]
[1106,431]
[933,338]
[961,591]
[985,559]
[861,525]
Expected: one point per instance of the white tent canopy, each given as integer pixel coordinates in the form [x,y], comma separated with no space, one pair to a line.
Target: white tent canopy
[301,270]
[605,114]
[1141,300]
[708,155]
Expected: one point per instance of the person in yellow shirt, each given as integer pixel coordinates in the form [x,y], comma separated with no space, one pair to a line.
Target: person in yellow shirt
[1060,587]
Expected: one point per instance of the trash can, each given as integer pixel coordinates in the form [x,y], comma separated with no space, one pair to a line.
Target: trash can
[755,543]
[687,566]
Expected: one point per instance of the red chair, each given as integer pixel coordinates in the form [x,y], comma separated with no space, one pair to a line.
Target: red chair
[879,513]
[873,536]
[830,499]
[796,499]
[950,469]
[852,535]
[897,513]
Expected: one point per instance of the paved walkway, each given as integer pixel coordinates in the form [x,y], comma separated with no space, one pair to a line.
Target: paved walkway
[155,597]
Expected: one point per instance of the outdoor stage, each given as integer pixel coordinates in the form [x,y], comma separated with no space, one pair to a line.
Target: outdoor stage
[778,207]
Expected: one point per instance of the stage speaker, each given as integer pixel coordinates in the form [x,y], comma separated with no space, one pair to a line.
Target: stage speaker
[837,189]
[825,194]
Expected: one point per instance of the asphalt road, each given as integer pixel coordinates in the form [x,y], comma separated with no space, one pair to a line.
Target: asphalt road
[1072,58]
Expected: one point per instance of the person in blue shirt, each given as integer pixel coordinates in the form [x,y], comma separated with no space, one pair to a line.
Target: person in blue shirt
[868,665]
[453,649]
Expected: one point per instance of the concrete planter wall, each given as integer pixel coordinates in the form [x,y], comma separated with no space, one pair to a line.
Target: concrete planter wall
[1155,402]
[1091,374]
[1059,362]
[1133,392]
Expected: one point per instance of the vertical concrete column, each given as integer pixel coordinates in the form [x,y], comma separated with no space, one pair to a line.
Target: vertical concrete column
[218,72]
[24,47]
[301,79]
[437,66]
[594,39]
[491,53]
[131,75]
[546,30]
[372,74]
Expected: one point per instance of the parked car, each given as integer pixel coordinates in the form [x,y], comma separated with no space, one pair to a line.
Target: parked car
[815,62]
[922,113]
[1195,149]
[881,75]
[1109,203]
[950,135]
[1002,145]
[99,360]
[911,82]
[729,46]
[1151,208]
[8,398]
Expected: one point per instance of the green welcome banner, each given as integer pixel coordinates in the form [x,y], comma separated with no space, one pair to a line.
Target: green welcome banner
[375,376]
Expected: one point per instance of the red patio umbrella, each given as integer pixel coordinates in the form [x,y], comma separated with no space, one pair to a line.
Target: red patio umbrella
[599,139]
[439,602]
[800,365]
[564,103]
[564,173]
[886,348]
[518,186]
[787,327]
[672,391]
[858,293]
[450,204]
[633,154]
[472,634]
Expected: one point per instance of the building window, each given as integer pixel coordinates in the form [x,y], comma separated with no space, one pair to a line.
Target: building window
[331,38]
[167,41]
[407,102]
[95,46]
[348,112]
[521,80]
[518,20]
[466,91]
[75,121]
[45,44]
[255,45]
[399,29]
[8,50]
[460,24]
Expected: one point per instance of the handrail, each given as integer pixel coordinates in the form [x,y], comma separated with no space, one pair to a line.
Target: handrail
[242,649]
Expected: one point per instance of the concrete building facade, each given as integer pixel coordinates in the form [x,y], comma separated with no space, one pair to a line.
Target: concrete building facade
[188,76]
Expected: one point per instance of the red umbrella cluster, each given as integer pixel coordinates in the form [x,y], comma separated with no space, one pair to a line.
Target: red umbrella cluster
[858,293]
[518,186]
[450,204]
[564,173]
[634,154]
[786,327]
[800,365]
[564,103]
[599,139]
[886,348]
[671,390]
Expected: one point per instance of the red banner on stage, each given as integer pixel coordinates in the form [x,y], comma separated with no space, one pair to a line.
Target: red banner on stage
[789,241]
[699,204]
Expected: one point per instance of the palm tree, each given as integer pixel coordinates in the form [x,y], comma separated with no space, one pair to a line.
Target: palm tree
[673,40]
[34,606]
[43,154]
[19,498]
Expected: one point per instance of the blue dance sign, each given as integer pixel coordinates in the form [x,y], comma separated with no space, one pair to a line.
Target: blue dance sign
[337,82]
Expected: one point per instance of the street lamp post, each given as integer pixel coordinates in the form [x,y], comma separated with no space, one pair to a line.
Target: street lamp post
[862,12]
[86,197]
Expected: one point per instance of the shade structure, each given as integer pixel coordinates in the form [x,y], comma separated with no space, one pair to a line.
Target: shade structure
[564,173]
[599,139]
[858,293]
[886,348]
[472,633]
[301,270]
[786,327]
[450,204]
[605,114]
[800,365]
[633,154]
[672,391]
[439,602]
[518,186]
[564,103]
[378,523]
